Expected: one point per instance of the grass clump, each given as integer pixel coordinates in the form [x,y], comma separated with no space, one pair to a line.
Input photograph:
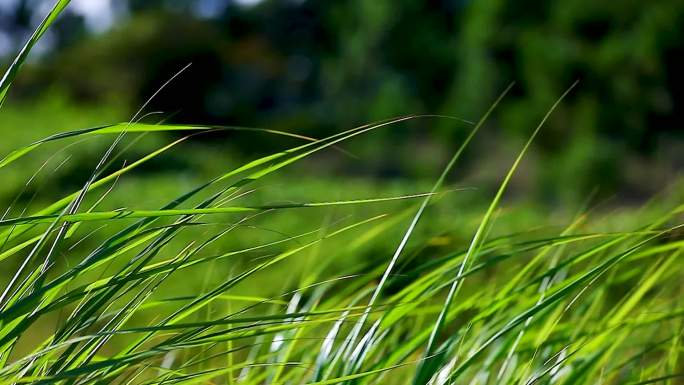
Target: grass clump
[154,295]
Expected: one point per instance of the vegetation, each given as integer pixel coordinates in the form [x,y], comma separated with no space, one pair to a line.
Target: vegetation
[133,279]
[319,67]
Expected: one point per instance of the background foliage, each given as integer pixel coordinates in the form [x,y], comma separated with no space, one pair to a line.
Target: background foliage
[317,67]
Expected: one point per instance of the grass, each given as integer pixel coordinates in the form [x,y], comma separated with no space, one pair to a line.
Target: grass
[218,284]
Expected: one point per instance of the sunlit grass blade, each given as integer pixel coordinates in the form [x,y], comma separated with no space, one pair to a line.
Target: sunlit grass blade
[19,60]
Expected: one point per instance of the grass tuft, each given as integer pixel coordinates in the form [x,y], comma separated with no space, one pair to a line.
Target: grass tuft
[205,288]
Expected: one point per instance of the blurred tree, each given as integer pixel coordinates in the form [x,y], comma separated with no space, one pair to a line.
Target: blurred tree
[320,66]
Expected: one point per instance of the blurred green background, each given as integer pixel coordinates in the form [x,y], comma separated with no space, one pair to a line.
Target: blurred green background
[320,67]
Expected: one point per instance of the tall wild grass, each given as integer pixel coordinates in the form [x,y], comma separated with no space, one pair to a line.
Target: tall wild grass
[100,296]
